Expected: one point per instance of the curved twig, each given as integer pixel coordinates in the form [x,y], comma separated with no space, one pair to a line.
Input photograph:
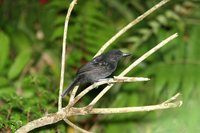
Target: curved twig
[63,53]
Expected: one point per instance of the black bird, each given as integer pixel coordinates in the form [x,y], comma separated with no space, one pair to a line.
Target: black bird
[100,67]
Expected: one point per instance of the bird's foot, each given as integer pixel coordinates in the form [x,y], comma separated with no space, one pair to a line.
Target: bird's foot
[106,79]
[94,86]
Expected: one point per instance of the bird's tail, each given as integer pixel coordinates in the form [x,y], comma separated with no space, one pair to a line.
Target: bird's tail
[71,86]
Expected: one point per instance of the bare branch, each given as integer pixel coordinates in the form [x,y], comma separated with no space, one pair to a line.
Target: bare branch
[165,105]
[130,79]
[143,57]
[63,53]
[131,24]
[173,102]
[174,98]
[73,94]
[66,112]
[106,81]
[43,121]
[69,110]
[75,126]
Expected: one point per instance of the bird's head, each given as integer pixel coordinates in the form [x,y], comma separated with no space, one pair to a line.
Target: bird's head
[116,55]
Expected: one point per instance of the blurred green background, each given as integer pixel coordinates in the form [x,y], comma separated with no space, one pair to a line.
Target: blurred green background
[30,50]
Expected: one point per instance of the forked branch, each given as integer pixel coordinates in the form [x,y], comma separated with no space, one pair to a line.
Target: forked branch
[66,112]
[69,110]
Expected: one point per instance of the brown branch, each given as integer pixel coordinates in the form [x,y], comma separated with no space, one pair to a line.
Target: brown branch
[66,112]
[43,121]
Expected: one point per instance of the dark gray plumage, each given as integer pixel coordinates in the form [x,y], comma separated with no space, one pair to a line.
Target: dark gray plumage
[100,67]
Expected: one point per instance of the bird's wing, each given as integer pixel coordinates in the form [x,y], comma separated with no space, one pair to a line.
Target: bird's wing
[97,61]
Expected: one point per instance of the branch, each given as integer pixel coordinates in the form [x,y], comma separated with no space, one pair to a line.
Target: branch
[43,121]
[63,53]
[131,24]
[75,126]
[69,110]
[63,65]
[106,81]
[66,112]
[143,57]
[73,94]
[170,103]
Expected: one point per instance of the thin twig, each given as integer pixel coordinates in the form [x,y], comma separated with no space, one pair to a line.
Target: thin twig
[75,126]
[63,53]
[172,98]
[72,4]
[131,24]
[106,81]
[170,103]
[135,109]
[73,94]
[143,57]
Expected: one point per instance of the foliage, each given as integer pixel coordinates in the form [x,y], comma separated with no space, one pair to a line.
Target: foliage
[30,50]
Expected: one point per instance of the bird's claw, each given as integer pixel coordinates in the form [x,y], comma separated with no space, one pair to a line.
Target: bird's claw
[106,79]
[95,86]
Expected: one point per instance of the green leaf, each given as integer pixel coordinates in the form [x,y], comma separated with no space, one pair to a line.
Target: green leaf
[193,45]
[161,78]
[60,20]
[21,42]
[197,79]
[185,118]
[121,100]
[123,127]
[3,81]
[58,32]
[6,91]
[4,49]
[174,79]
[122,9]
[20,62]
[188,80]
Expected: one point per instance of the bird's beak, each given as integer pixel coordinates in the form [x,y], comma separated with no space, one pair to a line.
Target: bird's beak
[125,54]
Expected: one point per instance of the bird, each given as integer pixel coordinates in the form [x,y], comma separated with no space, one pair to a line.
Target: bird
[99,68]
